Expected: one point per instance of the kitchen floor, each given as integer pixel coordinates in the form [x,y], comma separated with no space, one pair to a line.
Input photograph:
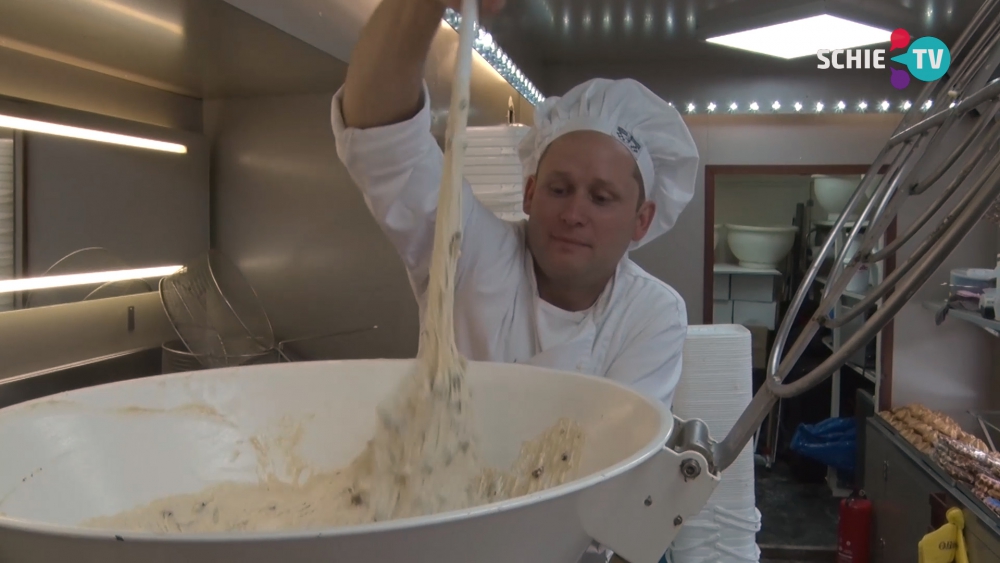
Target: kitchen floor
[798,520]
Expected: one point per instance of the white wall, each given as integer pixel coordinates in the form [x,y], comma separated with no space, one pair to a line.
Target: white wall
[762,201]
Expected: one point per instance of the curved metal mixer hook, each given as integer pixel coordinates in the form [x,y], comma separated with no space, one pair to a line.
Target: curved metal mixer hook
[916,137]
[838,282]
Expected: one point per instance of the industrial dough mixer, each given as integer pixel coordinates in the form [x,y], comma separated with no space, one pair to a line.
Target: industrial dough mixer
[104,449]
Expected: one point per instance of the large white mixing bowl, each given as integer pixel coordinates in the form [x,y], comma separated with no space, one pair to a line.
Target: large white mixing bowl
[760,247]
[105,449]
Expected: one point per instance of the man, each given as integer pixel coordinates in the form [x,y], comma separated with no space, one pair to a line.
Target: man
[609,166]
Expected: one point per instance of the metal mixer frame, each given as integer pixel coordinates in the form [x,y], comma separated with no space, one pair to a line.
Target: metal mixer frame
[959,139]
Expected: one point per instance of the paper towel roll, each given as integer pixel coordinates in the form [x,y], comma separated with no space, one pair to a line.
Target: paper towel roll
[716,386]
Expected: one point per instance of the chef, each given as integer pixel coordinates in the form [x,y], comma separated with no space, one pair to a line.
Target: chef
[608,167]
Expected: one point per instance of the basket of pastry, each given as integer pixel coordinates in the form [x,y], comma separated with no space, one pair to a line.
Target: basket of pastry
[964,457]
[922,427]
[988,490]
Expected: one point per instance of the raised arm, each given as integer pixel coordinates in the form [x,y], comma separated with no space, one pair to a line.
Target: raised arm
[385,77]
[382,122]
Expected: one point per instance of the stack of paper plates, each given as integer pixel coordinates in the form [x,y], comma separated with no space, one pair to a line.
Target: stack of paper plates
[493,168]
[716,386]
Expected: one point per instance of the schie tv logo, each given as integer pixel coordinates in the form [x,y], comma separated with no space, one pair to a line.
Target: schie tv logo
[927,59]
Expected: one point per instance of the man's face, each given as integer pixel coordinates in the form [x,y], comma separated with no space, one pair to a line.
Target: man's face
[585,206]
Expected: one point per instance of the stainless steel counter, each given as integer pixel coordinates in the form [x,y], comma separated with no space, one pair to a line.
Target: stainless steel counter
[107,369]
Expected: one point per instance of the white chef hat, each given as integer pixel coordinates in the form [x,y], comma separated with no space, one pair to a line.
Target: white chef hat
[649,127]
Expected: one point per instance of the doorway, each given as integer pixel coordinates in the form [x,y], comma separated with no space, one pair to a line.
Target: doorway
[797,497]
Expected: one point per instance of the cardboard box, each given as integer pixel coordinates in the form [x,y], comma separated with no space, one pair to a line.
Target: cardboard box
[759,348]
[722,313]
[721,290]
[752,313]
[753,287]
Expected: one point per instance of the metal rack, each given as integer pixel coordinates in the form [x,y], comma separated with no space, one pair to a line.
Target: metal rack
[835,342]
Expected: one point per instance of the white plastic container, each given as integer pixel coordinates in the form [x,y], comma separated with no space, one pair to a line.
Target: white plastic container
[862,278]
[834,192]
[760,247]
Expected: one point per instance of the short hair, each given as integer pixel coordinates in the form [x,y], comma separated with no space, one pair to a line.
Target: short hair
[637,174]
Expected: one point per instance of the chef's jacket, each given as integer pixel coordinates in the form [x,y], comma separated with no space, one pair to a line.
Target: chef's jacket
[633,334]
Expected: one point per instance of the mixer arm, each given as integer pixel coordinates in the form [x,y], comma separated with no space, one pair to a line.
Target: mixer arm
[924,149]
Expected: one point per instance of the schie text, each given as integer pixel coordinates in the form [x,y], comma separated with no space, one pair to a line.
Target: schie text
[851,58]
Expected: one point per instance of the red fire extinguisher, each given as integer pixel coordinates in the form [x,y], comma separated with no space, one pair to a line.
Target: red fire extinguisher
[854,530]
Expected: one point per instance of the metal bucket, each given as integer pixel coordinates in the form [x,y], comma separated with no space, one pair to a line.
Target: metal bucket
[176,358]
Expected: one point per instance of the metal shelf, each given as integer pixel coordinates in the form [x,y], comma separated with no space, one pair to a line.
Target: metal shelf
[737,269]
[866,373]
[990,326]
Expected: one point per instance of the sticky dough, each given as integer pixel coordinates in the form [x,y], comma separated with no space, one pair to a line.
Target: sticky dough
[425,455]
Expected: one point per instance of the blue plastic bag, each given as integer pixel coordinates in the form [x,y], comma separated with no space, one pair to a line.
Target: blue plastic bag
[832,442]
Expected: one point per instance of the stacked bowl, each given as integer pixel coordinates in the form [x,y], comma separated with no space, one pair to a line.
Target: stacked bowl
[493,168]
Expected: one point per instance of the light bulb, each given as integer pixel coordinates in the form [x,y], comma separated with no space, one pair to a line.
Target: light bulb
[776,105]
[711,106]
[754,106]
[798,106]
[841,106]
[819,106]
[907,105]
[863,105]
[733,106]
[927,105]
[691,108]
[884,106]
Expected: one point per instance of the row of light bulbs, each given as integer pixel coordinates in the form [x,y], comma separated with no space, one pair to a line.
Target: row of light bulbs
[819,107]
[501,62]
[498,59]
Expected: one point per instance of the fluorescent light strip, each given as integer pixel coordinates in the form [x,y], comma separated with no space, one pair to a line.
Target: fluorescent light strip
[88,134]
[498,59]
[804,37]
[48,282]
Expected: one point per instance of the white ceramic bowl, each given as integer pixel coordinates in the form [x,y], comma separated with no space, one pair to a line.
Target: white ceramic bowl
[833,192]
[760,247]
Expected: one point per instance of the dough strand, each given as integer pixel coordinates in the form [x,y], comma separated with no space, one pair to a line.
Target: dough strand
[425,455]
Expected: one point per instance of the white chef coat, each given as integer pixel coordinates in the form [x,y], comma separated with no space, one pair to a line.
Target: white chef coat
[634,333]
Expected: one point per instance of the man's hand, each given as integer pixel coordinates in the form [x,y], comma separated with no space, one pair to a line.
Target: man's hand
[384,78]
[486,7]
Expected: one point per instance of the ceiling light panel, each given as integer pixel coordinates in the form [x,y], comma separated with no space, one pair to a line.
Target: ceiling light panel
[804,37]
